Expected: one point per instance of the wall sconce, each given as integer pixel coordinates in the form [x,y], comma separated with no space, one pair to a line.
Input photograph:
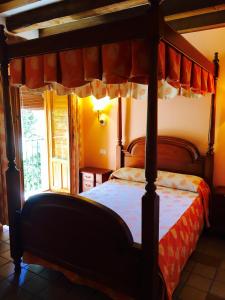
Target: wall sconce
[99,105]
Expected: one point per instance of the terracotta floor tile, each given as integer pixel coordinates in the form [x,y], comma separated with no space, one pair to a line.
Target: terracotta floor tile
[7,269]
[213,297]
[5,289]
[189,265]
[4,247]
[6,255]
[18,294]
[184,276]
[204,270]
[82,293]
[54,292]
[190,293]
[205,259]
[220,275]
[218,289]
[222,265]
[35,285]
[50,275]
[3,261]
[199,282]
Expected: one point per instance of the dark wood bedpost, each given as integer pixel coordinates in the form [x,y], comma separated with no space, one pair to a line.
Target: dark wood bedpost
[12,173]
[150,201]
[211,136]
[119,146]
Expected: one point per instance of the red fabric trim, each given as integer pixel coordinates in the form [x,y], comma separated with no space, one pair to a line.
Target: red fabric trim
[16,71]
[34,71]
[173,67]
[114,64]
[211,84]
[204,81]
[72,68]
[196,79]
[140,61]
[50,67]
[116,59]
[186,66]
[92,63]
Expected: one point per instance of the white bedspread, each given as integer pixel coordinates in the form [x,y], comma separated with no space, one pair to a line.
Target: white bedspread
[124,197]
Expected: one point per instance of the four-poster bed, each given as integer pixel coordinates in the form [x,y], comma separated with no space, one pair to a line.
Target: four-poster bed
[115,259]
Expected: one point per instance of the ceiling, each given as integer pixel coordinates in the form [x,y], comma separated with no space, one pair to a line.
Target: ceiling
[47,17]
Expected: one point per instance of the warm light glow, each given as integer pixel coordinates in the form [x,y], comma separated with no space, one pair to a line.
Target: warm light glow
[100,104]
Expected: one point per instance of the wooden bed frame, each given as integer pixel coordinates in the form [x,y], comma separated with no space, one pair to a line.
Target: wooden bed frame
[126,257]
[107,253]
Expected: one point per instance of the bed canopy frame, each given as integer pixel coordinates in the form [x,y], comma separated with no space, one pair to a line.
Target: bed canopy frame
[147,25]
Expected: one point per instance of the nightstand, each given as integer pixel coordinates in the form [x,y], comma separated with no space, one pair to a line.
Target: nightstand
[91,177]
[218,210]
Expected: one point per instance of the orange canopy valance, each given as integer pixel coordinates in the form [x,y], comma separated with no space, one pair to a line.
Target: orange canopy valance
[116,63]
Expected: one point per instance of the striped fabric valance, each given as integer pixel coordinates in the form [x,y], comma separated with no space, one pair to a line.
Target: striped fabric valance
[110,69]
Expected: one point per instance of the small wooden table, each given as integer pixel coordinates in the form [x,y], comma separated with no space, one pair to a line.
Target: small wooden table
[91,177]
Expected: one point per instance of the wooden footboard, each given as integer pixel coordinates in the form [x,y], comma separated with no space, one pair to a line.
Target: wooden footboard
[82,236]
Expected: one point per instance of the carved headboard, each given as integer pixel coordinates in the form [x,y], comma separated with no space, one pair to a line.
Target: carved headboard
[174,154]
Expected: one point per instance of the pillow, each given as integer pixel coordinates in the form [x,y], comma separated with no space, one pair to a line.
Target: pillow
[178,181]
[131,174]
[167,179]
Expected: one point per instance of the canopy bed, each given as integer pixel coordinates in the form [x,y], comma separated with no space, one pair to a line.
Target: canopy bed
[115,259]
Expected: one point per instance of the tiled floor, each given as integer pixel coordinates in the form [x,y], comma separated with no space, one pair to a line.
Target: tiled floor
[202,279]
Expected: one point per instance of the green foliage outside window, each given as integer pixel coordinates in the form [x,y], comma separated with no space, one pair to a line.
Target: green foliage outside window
[31,151]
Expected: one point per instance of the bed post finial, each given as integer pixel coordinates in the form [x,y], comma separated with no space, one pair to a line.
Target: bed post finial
[211,136]
[12,173]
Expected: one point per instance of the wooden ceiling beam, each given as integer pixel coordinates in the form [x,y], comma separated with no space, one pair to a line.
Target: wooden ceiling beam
[65,12]
[177,7]
[183,16]
[93,21]
[197,23]
[8,5]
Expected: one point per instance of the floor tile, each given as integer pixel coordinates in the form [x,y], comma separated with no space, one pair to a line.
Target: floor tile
[6,255]
[18,294]
[199,282]
[20,279]
[204,270]
[218,289]
[35,285]
[205,259]
[50,275]
[190,293]
[189,265]
[7,269]
[4,236]
[213,297]
[5,289]
[4,247]
[35,268]
[79,292]
[3,261]
[222,265]
[220,275]
[184,276]
[53,292]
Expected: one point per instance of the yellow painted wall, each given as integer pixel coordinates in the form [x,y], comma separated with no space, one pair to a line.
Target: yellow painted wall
[208,42]
[181,117]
